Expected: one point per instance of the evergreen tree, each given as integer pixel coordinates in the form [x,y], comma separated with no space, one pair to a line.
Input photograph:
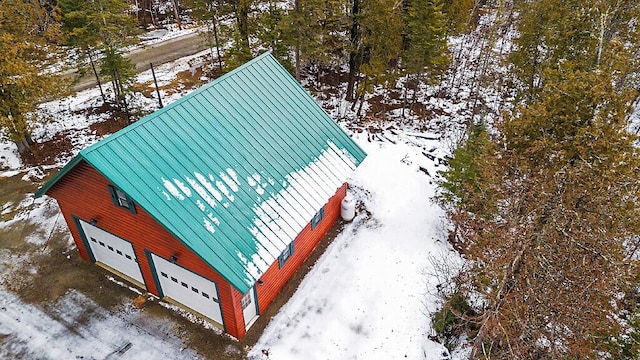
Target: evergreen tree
[355,47]
[270,31]
[381,26]
[27,49]
[545,211]
[103,26]
[240,51]
[315,31]
[464,187]
[426,53]
[548,246]
[121,72]
[458,15]
[589,36]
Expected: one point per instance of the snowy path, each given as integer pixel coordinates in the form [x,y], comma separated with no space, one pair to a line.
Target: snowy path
[29,332]
[366,297]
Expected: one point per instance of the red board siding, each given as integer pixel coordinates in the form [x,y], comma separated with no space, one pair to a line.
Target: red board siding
[84,193]
[275,277]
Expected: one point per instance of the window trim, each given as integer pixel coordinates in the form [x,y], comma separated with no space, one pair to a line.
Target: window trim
[116,198]
[317,218]
[285,254]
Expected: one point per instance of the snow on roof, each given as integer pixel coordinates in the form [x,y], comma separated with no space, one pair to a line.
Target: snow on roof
[234,170]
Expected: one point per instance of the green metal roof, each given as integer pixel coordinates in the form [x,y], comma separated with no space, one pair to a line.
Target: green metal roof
[234,170]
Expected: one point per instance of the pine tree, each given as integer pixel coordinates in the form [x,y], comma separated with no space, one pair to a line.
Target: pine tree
[240,51]
[270,31]
[459,14]
[548,248]
[589,36]
[355,47]
[103,26]
[546,210]
[426,53]
[315,32]
[27,43]
[381,26]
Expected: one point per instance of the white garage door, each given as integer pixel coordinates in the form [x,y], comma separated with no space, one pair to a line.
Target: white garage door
[112,251]
[188,288]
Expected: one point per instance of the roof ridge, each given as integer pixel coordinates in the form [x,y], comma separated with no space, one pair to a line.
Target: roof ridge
[150,117]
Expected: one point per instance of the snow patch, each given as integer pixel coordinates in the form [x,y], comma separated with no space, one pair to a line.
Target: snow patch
[224,190]
[201,191]
[283,215]
[185,190]
[173,190]
[39,333]
[233,176]
[209,226]
[208,186]
[231,182]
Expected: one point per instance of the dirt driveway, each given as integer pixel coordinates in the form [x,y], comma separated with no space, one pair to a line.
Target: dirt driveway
[157,54]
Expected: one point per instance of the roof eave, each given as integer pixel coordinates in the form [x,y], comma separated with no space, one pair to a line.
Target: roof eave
[59,175]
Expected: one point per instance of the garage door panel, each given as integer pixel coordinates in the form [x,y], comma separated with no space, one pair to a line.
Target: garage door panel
[112,251]
[188,288]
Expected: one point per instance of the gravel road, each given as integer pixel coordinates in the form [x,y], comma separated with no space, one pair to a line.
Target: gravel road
[157,54]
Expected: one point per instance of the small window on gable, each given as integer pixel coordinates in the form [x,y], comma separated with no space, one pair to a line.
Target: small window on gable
[317,218]
[285,255]
[121,199]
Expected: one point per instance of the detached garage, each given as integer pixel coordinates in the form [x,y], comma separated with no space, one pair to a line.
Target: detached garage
[213,202]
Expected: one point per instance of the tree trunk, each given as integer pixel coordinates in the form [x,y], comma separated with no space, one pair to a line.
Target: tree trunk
[29,139]
[361,97]
[95,72]
[24,147]
[116,95]
[414,96]
[354,61]
[214,21]
[154,19]
[297,49]
[404,97]
[175,13]
[145,12]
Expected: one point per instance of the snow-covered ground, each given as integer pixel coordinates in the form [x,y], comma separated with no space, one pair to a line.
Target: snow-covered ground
[29,332]
[370,295]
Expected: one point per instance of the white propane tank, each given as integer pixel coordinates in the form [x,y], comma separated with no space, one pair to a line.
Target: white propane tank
[348,208]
